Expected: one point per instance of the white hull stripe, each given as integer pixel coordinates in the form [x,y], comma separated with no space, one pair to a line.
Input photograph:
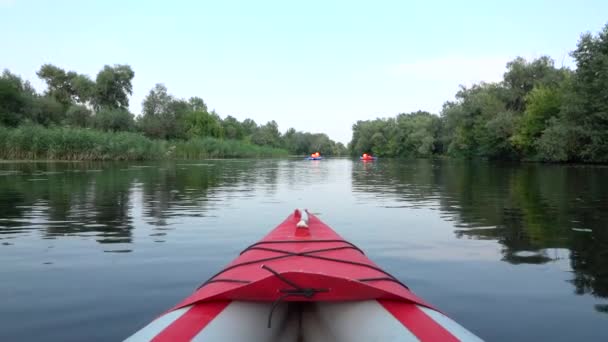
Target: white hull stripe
[450,325]
[156,326]
[323,322]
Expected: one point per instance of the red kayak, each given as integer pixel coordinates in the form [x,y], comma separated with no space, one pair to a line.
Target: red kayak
[303,282]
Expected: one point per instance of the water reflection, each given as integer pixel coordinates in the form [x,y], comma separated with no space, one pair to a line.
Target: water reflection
[108,226]
[97,199]
[538,213]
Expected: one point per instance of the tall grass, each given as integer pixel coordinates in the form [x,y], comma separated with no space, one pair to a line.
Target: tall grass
[64,143]
[38,142]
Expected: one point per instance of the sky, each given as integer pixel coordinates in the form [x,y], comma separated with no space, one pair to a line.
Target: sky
[316,66]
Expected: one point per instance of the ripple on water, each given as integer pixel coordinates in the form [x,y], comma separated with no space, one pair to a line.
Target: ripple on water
[95,225]
[526,254]
[115,240]
[199,164]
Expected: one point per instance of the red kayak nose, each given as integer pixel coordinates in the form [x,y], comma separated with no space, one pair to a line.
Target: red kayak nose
[294,263]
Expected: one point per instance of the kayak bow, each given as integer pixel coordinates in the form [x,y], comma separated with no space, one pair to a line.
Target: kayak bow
[303,282]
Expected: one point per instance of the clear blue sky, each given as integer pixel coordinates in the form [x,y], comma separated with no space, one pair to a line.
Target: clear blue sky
[313,65]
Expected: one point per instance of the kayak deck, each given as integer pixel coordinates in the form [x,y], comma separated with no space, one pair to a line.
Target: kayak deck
[303,282]
[302,264]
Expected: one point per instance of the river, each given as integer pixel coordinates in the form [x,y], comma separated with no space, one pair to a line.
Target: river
[94,251]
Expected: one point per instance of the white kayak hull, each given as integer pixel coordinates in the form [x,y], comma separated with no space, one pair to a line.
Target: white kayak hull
[362,321]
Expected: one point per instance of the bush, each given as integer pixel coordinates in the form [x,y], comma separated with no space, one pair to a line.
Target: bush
[200,148]
[558,143]
[78,116]
[114,120]
[46,111]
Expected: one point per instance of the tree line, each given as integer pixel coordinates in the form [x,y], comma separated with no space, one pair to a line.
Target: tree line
[77,101]
[537,112]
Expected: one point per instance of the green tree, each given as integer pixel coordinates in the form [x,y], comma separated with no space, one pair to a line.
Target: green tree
[113,87]
[495,140]
[267,135]
[157,101]
[58,83]
[155,108]
[78,115]
[320,142]
[558,142]
[543,103]
[163,115]
[297,142]
[46,110]
[586,107]
[66,87]
[465,119]
[83,89]
[13,99]
[249,127]
[340,150]
[232,128]
[522,76]
[197,104]
[415,135]
[202,124]
[363,132]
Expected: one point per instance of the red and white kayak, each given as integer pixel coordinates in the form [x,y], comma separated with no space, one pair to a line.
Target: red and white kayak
[303,282]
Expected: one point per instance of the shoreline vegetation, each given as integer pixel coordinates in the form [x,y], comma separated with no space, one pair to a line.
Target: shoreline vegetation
[538,112]
[35,142]
[78,118]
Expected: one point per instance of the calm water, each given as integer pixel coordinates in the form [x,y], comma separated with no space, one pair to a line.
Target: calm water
[96,250]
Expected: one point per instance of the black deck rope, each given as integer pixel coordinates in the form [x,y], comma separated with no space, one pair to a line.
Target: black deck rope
[284,252]
[382,279]
[300,241]
[274,306]
[307,254]
[226,280]
[285,255]
[296,290]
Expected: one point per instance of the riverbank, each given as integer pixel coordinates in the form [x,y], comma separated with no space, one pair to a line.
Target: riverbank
[34,142]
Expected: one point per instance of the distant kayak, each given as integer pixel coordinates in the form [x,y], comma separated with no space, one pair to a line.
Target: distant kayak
[367,157]
[314,156]
[303,282]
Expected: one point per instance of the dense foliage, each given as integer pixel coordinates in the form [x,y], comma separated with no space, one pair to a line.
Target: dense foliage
[167,117]
[537,112]
[76,104]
